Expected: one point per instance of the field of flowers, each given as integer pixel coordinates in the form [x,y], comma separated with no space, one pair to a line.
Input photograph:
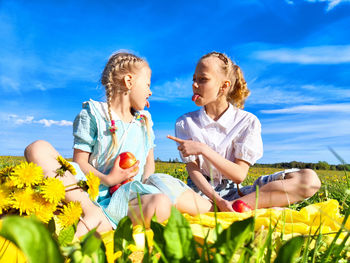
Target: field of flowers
[247,239]
[334,183]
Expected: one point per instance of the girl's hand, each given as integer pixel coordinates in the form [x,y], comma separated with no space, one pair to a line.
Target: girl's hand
[188,147]
[224,206]
[118,174]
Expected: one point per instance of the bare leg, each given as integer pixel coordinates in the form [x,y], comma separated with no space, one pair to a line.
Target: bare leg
[296,187]
[152,204]
[192,203]
[43,154]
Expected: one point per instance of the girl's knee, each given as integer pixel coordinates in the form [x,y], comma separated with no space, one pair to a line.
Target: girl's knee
[310,182]
[162,200]
[37,148]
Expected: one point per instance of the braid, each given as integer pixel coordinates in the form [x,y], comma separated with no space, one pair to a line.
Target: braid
[112,78]
[238,91]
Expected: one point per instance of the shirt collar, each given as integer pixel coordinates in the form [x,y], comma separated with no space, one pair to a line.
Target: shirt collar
[225,122]
[115,116]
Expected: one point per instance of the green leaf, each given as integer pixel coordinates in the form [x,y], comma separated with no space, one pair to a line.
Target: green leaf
[158,238]
[52,226]
[123,235]
[178,238]
[235,236]
[158,231]
[93,247]
[290,250]
[66,236]
[33,238]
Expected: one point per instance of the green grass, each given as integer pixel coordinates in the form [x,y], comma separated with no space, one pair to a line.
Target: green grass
[174,242]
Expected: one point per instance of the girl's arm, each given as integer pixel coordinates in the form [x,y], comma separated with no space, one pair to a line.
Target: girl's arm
[235,171]
[149,166]
[116,175]
[205,187]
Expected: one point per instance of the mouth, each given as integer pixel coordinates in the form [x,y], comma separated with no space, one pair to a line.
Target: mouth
[195,97]
[147,103]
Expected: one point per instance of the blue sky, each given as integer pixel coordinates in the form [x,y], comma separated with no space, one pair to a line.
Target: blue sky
[295,56]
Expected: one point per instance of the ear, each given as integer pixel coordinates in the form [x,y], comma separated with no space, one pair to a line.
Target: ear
[128,81]
[226,85]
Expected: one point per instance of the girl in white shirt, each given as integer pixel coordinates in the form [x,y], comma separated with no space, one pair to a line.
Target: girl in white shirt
[220,142]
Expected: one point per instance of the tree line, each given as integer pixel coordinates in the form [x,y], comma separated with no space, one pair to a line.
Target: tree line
[321,165]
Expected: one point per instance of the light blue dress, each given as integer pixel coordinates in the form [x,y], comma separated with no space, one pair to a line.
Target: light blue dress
[91,134]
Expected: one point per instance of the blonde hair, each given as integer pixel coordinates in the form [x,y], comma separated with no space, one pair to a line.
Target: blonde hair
[238,90]
[112,78]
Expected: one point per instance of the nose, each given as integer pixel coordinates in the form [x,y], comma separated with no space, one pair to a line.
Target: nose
[195,84]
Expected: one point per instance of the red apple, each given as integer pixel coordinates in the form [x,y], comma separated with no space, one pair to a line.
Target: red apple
[127,181]
[127,159]
[240,206]
[114,188]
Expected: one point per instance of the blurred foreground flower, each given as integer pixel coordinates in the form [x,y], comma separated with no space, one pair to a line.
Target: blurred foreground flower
[70,214]
[53,190]
[91,185]
[65,166]
[25,191]
[26,174]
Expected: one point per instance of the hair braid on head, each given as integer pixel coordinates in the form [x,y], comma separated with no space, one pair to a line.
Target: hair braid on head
[112,78]
[238,91]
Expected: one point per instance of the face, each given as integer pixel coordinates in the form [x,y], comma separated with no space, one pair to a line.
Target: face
[140,91]
[207,81]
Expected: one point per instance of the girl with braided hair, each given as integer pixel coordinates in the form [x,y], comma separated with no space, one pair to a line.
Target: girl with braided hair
[221,141]
[103,130]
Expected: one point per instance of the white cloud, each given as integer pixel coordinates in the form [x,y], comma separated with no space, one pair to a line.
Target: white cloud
[9,84]
[272,93]
[336,54]
[305,138]
[331,3]
[48,123]
[308,126]
[341,108]
[30,120]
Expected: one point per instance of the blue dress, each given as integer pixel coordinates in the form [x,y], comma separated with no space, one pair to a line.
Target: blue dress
[91,134]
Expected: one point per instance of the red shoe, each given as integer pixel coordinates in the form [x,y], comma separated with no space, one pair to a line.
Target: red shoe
[241,207]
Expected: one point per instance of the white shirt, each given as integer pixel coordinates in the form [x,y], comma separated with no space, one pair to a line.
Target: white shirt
[236,135]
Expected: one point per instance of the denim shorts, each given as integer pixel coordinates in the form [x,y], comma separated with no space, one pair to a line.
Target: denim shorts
[228,189]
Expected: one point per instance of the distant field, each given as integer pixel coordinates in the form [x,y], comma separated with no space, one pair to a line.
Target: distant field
[178,170]
[334,183]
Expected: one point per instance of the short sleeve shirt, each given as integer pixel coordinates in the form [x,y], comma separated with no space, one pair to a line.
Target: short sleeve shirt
[91,134]
[236,135]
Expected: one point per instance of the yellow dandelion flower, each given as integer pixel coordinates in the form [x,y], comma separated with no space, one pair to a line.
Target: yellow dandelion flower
[66,166]
[9,183]
[26,174]
[5,200]
[53,190]
[6,171]
[93,183]
[23,200]
[43,209]
[70,214]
